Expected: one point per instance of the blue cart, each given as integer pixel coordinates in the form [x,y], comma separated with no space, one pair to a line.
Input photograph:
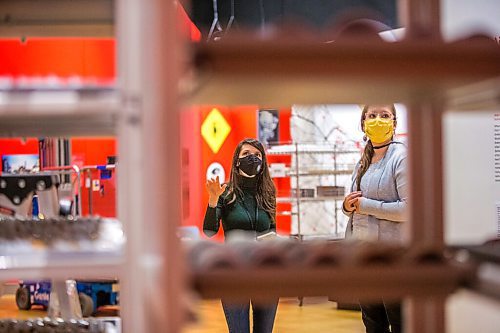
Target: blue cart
[92,294]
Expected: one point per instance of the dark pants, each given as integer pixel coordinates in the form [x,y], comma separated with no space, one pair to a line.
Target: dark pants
[378,316]
[238,317]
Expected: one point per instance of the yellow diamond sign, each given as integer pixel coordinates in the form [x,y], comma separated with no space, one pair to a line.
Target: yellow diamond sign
[215,130]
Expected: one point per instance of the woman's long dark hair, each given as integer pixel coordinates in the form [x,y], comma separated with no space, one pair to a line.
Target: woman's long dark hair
[366,158]
[266,191]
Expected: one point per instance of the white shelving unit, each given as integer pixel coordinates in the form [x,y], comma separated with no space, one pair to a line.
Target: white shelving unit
[300,169]
[61,112]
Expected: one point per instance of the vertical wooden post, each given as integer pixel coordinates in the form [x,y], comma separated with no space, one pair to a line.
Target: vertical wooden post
[426,201]
[421,19]
[149,165]
[425,315]
[161,167]
[425,164]
[130,161]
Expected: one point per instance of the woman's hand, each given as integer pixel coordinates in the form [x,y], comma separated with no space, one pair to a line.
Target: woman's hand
[351,201]
[214,190]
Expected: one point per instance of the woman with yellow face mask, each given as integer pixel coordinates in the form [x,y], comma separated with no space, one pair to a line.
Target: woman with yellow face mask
[377,203]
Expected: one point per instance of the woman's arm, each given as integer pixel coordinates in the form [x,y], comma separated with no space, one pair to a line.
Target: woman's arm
[214,211]
[211,223]
[393,211]
[347,205]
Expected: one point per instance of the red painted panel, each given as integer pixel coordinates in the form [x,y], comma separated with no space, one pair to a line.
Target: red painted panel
[283,184]
[93,150]
[191,180]
[243,122]
[63,57]
[90,151]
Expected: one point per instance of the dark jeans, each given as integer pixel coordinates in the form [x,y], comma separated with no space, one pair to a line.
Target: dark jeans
[238,317]
[378,316]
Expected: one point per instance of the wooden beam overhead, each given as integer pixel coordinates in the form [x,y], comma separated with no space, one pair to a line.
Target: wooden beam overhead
[56,18]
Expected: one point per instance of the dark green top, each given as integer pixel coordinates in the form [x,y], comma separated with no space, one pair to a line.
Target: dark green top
[238,215]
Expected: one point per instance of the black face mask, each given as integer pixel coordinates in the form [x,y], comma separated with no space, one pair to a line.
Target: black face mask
[250,164]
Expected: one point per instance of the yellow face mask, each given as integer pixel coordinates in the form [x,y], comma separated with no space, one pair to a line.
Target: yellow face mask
[379,130]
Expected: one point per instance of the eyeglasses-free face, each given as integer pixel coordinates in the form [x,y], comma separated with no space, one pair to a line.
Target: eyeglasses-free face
[247,149]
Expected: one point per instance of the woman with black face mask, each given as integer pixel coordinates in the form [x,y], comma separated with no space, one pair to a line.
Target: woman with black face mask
[246,203]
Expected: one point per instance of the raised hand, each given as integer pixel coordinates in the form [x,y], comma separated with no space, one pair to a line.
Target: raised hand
[214,189]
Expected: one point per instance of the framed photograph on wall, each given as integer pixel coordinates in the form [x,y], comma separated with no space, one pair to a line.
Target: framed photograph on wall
[20,163]
[268,126]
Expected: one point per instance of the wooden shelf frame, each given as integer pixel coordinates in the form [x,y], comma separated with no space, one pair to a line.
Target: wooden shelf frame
[284,72]
[344,283]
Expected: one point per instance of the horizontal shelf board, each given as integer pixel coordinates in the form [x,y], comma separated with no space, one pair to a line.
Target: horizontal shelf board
[275,153]
[322,237]
[342,283]
[61,265]
[321,173]
[307,149]
[67,125]
[58,112]
[33,258]
[285,213]
[284,72]
[294,199]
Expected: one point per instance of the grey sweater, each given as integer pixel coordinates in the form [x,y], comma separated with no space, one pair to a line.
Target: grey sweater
[383,205]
